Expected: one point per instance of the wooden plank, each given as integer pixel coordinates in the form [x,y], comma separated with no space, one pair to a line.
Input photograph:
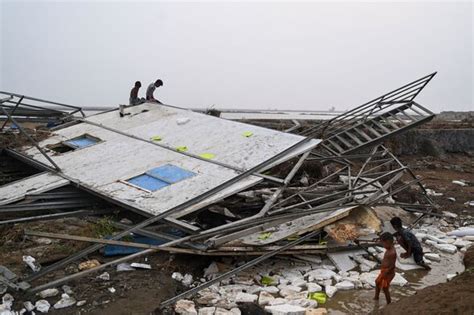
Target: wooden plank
[295,227]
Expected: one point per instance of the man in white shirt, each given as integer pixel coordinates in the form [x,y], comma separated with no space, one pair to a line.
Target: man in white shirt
[151,89]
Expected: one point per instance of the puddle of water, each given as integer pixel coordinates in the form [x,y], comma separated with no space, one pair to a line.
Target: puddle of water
[361,301]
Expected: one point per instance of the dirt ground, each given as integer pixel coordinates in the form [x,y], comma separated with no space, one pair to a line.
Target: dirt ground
[454,297]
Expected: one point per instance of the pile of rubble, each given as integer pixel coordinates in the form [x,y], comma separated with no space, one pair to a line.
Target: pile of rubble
[203,185]
[301,284]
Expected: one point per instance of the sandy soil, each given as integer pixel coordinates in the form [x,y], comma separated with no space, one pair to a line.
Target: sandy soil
[454,297]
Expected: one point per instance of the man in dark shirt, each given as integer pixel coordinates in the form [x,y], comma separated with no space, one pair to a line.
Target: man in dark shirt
[409,242]
[134,99]
[151,89]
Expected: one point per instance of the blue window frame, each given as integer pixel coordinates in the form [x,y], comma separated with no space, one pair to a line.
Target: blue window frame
[82,141]
[160,177]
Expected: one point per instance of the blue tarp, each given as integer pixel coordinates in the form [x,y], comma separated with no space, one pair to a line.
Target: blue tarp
[114,250]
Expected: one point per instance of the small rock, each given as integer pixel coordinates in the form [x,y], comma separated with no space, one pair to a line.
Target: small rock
[81,303]
[124,267]
[278,301]
[43,240]
[140,266]
[461,243]
[246,298]
[433,256]
[7,301]
[271,289]
[345,285]
[177,276]
[313,287]
[298,282]
[89,264]
[448,248]
[126,221]
[185,307]
[330,290]
[306,303]
[187,280]
[207,298]
[450,276]
[285,309]
[112,290]
[317,311]
[235,311]
[320,274]
[460,183]
[65,301]
[48,293]
[67,289]
[264,298]
[32,263]
[212,270]
[29,306]
[42,306]
[105,276]
[435,239]
[207,311]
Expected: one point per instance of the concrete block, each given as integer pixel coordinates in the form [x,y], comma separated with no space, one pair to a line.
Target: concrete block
[285,309]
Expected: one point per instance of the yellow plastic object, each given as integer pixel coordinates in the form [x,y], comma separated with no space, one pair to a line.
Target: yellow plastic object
[208,156]
[264,235]
[156,138]
[182,148]
[247,134]
[266,280]
[319,297]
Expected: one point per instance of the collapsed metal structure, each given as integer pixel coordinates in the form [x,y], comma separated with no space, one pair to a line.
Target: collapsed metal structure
[355,170]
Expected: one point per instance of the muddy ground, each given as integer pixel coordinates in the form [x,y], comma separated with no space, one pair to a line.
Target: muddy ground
[141,291]
[454,297]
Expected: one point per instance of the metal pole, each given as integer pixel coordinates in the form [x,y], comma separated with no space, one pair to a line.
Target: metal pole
[31,139]
[12,112]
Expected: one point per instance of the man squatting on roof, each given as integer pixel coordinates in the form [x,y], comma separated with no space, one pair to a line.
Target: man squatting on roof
[135,100]
[151,89]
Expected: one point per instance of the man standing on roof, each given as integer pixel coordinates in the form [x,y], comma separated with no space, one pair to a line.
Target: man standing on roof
[151,89]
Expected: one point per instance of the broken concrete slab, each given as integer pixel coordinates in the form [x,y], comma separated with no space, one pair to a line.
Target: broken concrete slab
[285,309]
[345,285]
[185,307]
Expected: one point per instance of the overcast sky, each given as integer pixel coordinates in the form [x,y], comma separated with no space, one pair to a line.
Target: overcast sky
[238,55]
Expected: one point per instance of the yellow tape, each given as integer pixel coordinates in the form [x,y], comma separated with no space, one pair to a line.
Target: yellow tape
[247,134]
[208,156]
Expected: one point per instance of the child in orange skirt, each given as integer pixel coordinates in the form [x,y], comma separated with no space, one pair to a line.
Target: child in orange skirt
[387,269]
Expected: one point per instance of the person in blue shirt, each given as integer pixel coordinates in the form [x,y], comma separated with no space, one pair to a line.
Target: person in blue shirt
[409,242]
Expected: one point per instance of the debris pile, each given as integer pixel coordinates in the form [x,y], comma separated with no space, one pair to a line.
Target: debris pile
[191,183]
